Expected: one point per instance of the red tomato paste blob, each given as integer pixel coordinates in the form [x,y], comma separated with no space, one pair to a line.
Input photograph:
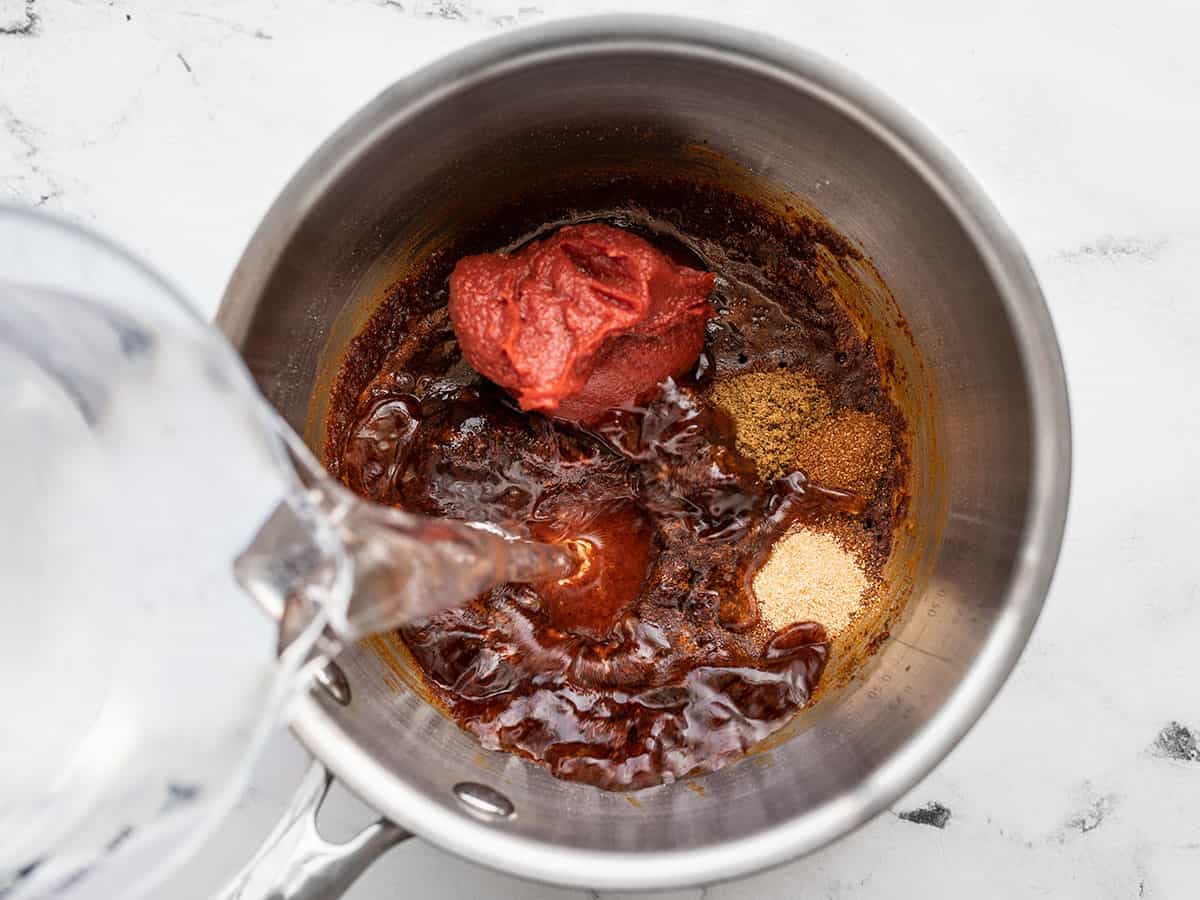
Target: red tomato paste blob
[590,319]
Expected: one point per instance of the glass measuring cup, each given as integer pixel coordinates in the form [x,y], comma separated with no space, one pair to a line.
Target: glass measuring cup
[146,488]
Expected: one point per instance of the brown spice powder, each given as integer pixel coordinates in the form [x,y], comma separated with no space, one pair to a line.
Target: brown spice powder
[810,577]
[849,450]
[772,411]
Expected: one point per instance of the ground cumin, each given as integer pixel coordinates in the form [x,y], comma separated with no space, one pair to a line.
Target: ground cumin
[772,412]
[848,450]
[810,577]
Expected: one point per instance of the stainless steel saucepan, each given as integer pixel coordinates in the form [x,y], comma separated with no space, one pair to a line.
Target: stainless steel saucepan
[977,372]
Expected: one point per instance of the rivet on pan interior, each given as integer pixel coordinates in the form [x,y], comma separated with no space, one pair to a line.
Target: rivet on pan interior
[333,679]
[483,801]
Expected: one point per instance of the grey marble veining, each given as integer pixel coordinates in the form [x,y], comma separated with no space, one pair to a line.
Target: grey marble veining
[172,124]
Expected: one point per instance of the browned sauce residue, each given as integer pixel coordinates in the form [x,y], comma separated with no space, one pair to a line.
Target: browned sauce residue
[651,662]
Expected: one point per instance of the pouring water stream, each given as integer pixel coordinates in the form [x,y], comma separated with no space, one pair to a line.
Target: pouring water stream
[366,568]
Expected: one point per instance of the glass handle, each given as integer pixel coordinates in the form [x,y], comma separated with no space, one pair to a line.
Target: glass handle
[296,863]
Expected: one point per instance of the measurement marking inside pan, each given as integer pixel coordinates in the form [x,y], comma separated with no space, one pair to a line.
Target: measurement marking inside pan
[936,656]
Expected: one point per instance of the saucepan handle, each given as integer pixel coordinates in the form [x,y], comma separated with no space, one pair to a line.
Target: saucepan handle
[296,863]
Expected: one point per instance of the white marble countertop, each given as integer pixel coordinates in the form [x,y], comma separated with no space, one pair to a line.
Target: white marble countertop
[171,125]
